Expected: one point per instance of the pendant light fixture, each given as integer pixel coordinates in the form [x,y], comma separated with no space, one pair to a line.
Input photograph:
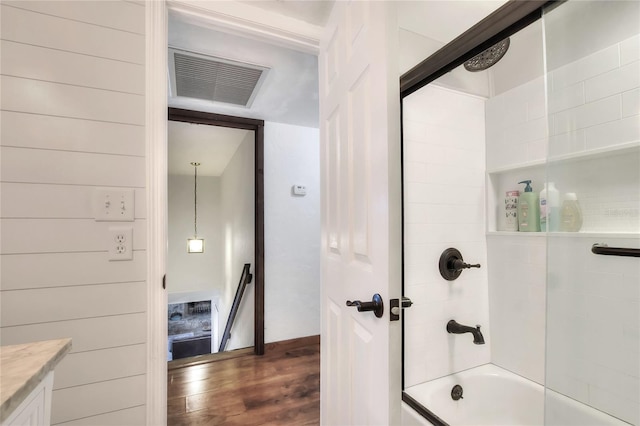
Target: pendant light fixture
[195,244]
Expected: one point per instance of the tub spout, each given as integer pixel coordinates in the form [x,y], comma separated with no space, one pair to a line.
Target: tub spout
[455,328]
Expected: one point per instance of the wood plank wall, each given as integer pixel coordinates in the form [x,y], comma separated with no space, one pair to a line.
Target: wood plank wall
[72,119]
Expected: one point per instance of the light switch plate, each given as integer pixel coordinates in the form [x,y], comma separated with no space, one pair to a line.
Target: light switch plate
[114,205]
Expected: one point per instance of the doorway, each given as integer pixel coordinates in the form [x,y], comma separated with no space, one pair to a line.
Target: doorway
[216,293]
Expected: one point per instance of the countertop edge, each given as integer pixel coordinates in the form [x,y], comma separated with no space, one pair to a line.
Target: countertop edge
[14,400]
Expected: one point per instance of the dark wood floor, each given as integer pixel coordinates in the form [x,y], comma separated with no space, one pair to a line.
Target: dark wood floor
[281,387]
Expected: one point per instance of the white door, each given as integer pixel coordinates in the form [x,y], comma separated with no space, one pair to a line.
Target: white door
[361,208]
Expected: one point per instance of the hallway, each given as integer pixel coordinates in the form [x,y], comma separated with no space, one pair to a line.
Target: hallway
[280,388]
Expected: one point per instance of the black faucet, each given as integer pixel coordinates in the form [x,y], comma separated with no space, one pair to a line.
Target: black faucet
[455,328]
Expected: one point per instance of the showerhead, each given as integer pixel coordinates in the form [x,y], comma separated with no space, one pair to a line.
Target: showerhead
[489,57]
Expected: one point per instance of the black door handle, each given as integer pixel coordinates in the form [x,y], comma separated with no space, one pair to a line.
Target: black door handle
[375,305]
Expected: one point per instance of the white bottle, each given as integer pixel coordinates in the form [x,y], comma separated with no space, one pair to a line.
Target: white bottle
[549,208]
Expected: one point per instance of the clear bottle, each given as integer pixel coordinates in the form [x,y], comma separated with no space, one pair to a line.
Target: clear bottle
[571,214]
[549,208]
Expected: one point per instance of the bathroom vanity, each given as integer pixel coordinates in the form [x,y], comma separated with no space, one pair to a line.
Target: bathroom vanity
[26,381]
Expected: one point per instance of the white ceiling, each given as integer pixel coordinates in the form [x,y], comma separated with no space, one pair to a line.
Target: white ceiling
[315,12]
[290,91]
[443,20]
[212,146]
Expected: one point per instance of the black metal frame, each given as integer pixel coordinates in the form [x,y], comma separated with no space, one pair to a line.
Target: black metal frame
[211,119]
[503,22]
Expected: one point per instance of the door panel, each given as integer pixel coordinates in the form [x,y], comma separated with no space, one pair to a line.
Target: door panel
[360,166]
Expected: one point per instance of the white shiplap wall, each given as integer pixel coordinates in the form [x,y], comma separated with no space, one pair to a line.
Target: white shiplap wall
[72,115]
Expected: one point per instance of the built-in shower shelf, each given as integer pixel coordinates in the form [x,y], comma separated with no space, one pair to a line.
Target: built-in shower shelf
[518,166]
[631,235]
[516,234]
[606,175]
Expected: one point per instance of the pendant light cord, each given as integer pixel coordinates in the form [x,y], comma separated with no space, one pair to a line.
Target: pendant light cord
[195,200]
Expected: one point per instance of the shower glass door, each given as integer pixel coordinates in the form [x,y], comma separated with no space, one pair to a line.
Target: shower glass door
[592,52]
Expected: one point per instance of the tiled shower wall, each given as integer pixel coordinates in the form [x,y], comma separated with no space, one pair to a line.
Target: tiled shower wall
[593,302]
[516,266]
[593,317]
[593,104]
[444,207]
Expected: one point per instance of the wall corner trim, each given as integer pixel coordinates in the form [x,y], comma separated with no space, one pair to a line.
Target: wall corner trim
[156,189]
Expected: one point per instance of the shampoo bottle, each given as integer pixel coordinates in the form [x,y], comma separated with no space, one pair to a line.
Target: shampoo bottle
[528,209]
[549,208]
[571,220]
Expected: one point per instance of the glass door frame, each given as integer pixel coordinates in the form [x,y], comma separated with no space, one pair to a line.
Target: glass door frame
[502,23]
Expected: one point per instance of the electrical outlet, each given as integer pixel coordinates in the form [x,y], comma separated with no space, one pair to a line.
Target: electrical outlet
[121,243]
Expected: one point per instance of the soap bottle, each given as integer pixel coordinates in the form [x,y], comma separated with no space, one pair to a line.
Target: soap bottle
[528,209]
[571,214]
[549,208]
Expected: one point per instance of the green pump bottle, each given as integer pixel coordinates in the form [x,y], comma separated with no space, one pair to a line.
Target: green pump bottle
[528,210]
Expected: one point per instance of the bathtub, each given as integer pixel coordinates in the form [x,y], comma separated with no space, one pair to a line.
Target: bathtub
[493,396]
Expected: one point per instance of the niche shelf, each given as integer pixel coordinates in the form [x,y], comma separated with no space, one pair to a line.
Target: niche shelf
[598,176]
[631,235]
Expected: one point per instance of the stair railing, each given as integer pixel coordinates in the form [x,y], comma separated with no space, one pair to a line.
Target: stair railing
[245,278]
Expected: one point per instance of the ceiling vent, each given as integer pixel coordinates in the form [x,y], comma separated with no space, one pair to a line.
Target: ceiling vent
[193,75]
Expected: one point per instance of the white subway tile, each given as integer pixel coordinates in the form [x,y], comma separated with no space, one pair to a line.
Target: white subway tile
[631,103]
[567,304]
[514,153]
[630,50]
[469,138]
[629,287]
[536,106]
[441,213]
[416,233]
[591,114]
[418,253]
[443,194]
[602,283]
[612,133]
[505,112]
[615,81]
[608,402]
[444,174]
[567,97]
[414,171]
[525,132]
[537,149]
[568,386]
[582,69]
[416,364]
[414,130]
[417,152]
[463,175]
